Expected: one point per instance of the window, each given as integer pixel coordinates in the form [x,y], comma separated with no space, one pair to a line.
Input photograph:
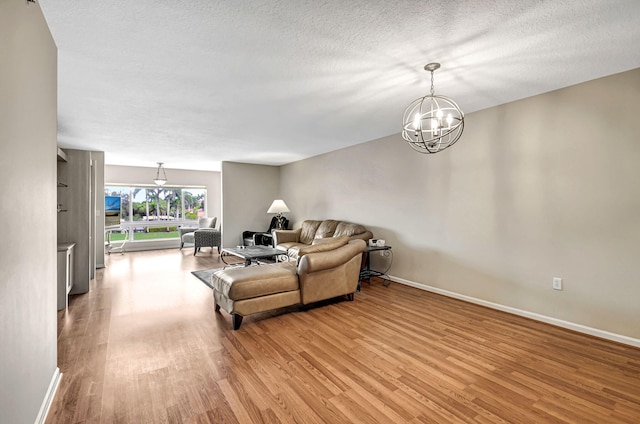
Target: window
[157,212]
[194,202]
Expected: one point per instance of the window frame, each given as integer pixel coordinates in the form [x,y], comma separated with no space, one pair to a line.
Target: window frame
[130,226]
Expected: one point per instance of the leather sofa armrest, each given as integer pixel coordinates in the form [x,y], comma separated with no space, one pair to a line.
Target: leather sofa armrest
[323,275]
[363,236]
[319,261]
[284,236]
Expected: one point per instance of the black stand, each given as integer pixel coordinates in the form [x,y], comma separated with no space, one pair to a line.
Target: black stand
[366,272]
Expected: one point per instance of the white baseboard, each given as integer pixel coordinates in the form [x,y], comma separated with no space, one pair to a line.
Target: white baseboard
[532,315]
[48,398]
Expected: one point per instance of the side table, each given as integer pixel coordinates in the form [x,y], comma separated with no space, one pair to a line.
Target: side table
[366,272]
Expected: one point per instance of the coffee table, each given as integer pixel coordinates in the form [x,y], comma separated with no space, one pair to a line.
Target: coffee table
[253,253]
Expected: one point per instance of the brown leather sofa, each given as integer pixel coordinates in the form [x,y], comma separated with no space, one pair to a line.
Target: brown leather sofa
[321,271]
[313,231]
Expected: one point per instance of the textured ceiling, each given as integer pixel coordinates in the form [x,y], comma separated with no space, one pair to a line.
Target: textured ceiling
[193,83]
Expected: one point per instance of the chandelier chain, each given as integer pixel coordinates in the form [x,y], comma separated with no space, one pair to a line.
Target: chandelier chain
[432,83]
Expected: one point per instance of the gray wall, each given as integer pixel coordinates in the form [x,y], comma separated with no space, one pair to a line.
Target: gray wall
[98,158]
[74,225]
[28,72]
[247,193]
[543,187]
[81,223]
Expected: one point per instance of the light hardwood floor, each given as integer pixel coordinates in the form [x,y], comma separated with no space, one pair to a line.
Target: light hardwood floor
[145,346]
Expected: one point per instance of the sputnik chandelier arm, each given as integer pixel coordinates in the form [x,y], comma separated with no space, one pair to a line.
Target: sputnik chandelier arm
[432,123]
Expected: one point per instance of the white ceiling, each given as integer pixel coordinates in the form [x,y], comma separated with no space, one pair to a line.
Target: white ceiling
[193,83]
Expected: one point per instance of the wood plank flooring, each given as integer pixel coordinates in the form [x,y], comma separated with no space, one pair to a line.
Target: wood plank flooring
[145,346]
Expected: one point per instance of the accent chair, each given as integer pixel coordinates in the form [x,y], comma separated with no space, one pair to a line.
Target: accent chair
[204,235]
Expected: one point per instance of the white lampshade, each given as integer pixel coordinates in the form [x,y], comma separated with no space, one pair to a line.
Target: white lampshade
[278,206]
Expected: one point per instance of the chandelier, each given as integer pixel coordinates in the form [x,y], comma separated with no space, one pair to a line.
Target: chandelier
[432,123]
[160,179]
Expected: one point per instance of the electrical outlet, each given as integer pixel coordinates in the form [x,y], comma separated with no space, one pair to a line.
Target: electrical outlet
[557,283]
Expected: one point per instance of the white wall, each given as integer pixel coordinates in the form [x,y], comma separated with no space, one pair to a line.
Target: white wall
[28,73]
[248,191]
[540,188]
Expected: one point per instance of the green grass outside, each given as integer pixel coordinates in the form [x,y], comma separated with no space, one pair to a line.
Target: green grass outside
[146,236]
[158,235]
[117,236]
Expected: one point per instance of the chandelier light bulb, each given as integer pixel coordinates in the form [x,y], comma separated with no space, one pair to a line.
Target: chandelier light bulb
[416,122]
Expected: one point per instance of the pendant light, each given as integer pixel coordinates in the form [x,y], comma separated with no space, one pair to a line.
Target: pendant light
[432,123]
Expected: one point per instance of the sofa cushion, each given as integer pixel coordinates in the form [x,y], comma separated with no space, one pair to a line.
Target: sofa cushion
[291,248]
[308,233]
[326,229]
[349,229]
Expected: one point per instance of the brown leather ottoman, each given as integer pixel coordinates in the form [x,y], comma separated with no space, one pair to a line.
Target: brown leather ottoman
[244,291]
